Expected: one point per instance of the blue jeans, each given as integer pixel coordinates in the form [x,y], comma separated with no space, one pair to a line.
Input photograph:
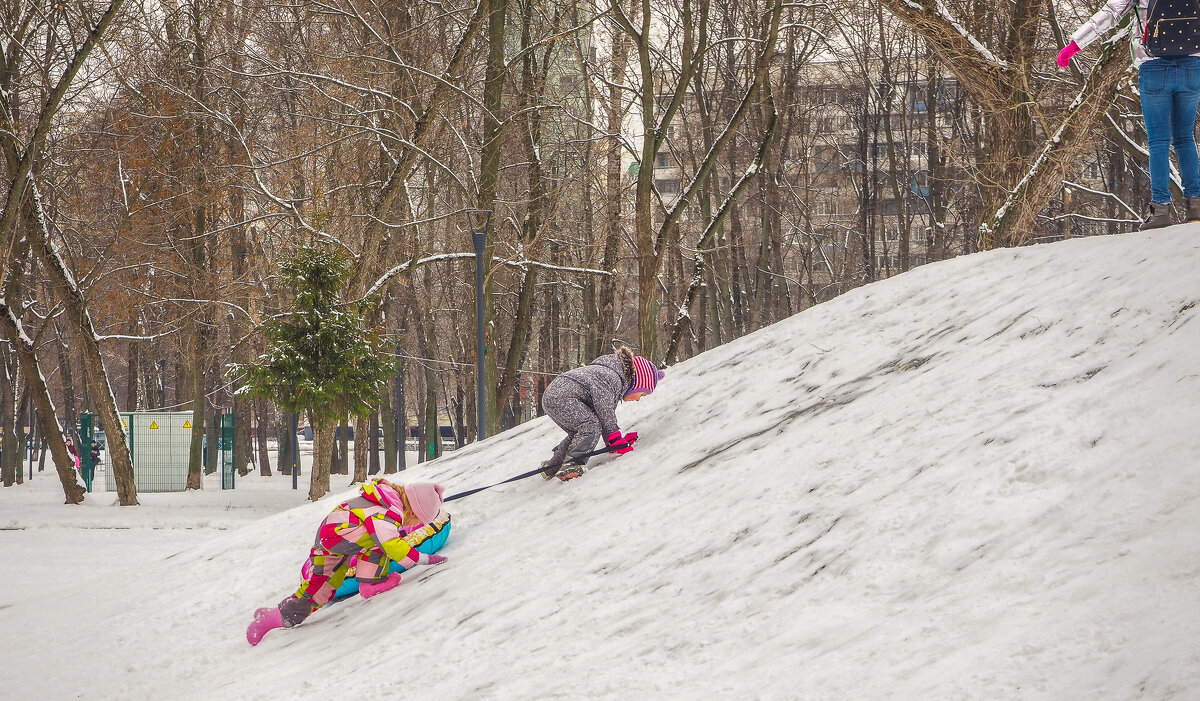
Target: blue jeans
[1170,89]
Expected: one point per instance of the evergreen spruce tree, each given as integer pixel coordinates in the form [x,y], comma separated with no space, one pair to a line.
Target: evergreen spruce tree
[320,361]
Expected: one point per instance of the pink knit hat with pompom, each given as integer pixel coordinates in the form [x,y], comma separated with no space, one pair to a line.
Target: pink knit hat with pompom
[425,499]
[645,376]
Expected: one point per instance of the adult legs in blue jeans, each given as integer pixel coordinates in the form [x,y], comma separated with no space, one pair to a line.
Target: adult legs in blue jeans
[1170,89]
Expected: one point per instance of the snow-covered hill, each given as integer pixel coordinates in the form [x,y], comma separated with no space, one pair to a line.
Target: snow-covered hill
[977,480]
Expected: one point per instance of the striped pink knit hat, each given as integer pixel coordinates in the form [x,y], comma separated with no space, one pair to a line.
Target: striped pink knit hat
[645,376]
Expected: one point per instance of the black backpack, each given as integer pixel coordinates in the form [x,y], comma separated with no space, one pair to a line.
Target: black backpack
[1172,28]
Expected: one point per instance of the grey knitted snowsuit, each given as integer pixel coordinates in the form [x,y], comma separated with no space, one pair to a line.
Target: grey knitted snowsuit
[583,402]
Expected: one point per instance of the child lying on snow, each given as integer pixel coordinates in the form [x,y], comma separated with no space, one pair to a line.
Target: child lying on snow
[371,527]
[583,402]
[427,539]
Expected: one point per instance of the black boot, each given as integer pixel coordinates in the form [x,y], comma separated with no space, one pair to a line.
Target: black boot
[550,469]
[1160,216]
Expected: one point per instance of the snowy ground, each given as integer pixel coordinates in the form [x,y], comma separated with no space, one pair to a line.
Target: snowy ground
[977,480]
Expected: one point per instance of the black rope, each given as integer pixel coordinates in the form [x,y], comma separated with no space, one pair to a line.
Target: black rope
[523,475]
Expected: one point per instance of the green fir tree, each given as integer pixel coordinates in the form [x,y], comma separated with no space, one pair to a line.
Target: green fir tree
[320,360]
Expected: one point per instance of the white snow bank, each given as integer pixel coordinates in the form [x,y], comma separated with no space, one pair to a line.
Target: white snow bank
[975,480]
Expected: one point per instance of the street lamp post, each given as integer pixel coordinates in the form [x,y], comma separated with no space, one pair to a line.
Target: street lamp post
[295,451]
[479,238]
[400,464]
[32,447]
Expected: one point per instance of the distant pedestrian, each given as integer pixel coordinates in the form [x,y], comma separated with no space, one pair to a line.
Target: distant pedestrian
[1169,86]
[583,402]
[94,453]
[73,451]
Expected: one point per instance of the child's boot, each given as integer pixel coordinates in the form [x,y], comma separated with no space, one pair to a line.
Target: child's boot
[550,468]
[569,471]
[265,620]
[369,589]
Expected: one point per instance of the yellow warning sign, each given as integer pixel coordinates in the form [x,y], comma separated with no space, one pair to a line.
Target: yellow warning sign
[123,424]
[187,424]
[153,425]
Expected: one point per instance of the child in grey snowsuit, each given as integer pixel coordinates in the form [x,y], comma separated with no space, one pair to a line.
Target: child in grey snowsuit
[583,402]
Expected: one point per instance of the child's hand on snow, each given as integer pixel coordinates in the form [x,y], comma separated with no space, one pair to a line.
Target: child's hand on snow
[621,444]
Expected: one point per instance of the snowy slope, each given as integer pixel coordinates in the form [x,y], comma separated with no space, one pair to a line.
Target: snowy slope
[977,480]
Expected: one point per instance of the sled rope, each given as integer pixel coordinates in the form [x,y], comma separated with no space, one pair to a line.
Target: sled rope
[523,475]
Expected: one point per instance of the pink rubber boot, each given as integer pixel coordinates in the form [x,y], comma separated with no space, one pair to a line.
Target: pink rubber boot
[265,620]
[367,589]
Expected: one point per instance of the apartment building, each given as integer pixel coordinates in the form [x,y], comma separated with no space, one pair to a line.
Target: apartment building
[871,178]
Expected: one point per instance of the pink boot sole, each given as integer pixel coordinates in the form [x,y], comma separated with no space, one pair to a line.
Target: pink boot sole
[265,621]
[366,590]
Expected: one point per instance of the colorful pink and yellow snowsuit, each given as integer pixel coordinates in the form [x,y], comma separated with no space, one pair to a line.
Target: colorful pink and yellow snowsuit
[369,526]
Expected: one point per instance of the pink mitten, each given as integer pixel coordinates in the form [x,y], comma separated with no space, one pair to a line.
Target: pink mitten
[1064,56]
[620,444]
[436,559]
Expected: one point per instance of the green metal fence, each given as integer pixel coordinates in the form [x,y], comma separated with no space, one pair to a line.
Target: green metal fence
[87,434]
[227,443]
[159,444]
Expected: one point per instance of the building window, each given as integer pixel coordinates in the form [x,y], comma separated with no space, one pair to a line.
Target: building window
[919,184]
[916,99]
[568,83]
[825,159]
[667,186]
[830,204]
[663,159]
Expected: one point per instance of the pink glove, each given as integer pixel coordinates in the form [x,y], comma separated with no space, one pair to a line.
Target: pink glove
[436,559]
[1064,56]
[621,444]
